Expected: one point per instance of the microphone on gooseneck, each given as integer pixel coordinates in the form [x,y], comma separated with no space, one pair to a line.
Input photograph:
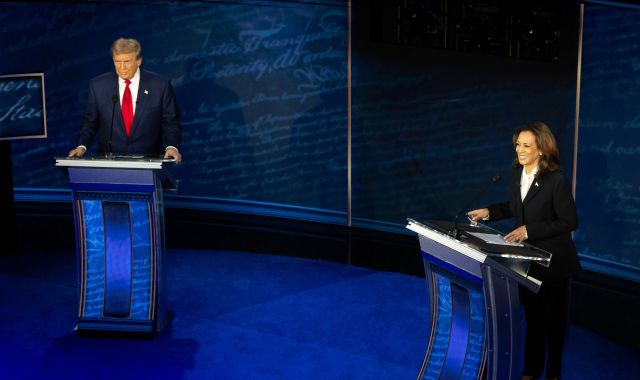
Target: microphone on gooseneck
[455,232]
[114,100]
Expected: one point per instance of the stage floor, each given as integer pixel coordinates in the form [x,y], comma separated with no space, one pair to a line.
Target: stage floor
[242,315]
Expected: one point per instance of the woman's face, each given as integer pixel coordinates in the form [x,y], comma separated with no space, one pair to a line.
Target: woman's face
[527,150]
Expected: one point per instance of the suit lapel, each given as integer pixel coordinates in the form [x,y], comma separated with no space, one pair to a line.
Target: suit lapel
[141,103]
[533,190]
[515,197]
[118,124]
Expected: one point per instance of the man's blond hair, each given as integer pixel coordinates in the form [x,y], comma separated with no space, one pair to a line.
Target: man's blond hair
[125,46]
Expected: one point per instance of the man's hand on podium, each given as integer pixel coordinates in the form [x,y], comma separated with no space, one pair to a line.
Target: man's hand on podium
[78,152]
[172,152]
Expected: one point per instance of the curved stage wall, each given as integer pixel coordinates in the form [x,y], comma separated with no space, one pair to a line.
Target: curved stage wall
[608,184]
[263,90]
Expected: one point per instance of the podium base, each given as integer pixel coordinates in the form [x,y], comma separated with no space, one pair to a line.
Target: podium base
[108,325]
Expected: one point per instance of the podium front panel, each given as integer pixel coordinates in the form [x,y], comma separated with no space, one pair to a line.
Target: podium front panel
[119,217]
[474,310]
[134,260]
[457,337]
[118,261]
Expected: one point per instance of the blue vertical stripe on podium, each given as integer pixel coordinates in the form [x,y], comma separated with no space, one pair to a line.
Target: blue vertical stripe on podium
[442,327]
[118,259]
[458,336]
[142,259]
[459,339]
[94,265]
[475,350]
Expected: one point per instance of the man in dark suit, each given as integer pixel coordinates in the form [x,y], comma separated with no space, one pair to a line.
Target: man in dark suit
[132,111]
[542,204]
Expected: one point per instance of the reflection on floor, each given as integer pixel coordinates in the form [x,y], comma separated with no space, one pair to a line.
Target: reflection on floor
[242,315]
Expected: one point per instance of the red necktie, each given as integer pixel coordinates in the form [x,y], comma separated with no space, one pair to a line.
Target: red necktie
[127,108]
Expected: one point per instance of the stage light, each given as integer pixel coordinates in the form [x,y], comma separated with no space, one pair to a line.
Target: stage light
[422,23]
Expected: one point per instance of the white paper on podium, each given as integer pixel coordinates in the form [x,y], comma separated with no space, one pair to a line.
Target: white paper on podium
[494,239]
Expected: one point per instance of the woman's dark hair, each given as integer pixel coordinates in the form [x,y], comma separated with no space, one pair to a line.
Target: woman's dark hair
[546,143]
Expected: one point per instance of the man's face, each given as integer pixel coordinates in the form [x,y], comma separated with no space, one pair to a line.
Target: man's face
[126,64]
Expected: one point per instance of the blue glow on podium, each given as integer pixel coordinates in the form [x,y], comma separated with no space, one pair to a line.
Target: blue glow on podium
[118,259]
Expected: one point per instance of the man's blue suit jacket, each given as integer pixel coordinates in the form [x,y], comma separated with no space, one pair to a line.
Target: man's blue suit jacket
[156,122]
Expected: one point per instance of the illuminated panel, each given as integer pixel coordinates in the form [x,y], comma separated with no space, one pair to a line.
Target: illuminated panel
[118,259]
[94,265]
[142,261]
[459,339]
[457,343]
[475,348]
[442,327]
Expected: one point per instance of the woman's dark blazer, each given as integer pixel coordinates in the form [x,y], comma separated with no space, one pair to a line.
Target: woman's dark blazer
[549,212]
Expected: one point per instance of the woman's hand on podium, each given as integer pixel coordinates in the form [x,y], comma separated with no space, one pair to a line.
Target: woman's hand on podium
[517,236]
[475,215]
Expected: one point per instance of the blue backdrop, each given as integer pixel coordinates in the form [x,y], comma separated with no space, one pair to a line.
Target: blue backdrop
[608,185]
[262,86]
[262,89]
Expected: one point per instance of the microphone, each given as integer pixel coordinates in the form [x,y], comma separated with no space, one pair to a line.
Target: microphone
[114,100]
[455,232]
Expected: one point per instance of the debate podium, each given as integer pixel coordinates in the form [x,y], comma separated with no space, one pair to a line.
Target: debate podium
[119,224]
[473,279]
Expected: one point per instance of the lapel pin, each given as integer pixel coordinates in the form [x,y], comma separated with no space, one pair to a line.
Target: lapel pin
[536,184]
[146,92]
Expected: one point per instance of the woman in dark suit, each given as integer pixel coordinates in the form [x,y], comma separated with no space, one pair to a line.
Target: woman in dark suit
[542,204]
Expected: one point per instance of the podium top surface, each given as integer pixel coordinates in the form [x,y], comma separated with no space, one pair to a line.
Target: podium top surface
[478,242]
[120,162]
[132,173]
[446,240]
[471,250]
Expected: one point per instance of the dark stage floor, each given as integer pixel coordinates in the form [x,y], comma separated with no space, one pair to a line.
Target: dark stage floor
[245,316]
